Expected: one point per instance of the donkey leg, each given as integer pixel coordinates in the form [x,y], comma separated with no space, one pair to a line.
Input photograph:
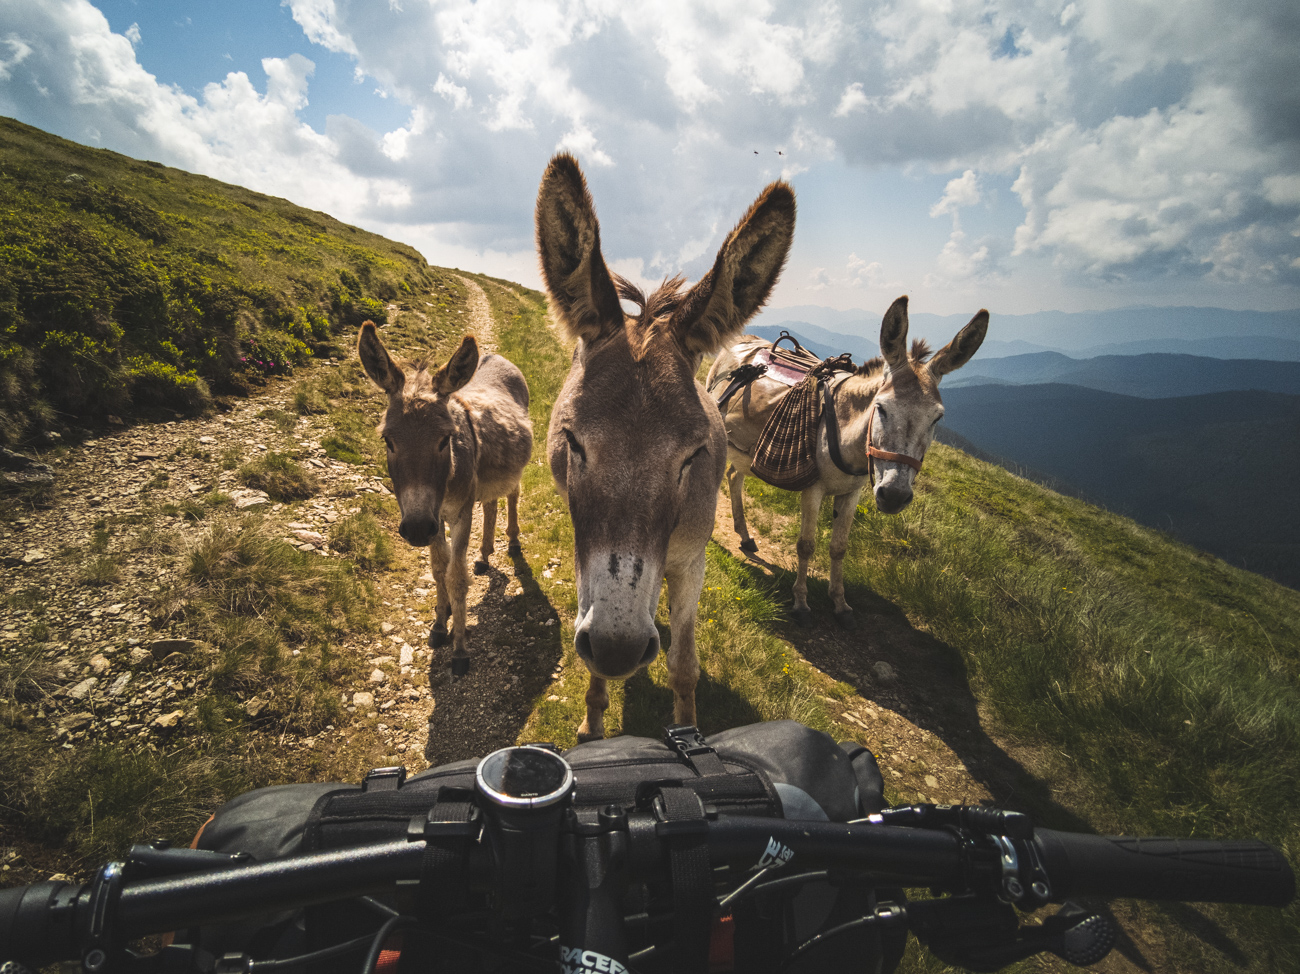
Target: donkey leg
[489,537]
[438,558]
[846,506]
[684,589]
[458,588]
[810,503]
[512,524]
[593,726]
[736,488]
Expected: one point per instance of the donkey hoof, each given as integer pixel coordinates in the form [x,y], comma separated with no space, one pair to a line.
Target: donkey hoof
[438,637]
[845,619]
[750,546]
[514,551]
[802,616]
[481,568]
[459,665]
[585,736]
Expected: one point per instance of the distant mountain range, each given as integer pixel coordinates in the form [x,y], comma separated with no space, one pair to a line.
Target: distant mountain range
[1148,376]
[1218,471]
[1218,332]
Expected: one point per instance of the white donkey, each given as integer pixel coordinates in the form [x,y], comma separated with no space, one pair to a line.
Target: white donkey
[884,413]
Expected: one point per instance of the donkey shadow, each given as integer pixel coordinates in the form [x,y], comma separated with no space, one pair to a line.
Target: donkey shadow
[487,708]
[932,690]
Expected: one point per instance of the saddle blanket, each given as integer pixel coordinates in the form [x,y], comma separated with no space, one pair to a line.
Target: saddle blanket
[777,370]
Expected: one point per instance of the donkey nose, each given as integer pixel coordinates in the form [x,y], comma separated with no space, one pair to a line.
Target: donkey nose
[892,498]
[416,530]
[615,653]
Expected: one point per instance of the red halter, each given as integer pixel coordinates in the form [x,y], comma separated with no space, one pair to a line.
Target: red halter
[879,454]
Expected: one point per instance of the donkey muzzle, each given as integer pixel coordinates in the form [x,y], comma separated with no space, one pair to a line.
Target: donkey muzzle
[415,530]
[615,653]
[892,498]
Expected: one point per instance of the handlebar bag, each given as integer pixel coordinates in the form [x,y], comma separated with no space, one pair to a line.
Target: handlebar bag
[776,769]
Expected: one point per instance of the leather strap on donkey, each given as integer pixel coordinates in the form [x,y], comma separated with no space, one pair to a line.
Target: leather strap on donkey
[875,453]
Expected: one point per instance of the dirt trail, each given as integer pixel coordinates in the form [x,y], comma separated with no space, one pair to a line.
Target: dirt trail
[479,323]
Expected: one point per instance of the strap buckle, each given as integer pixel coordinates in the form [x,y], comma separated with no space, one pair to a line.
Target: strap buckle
[384,779]
[690,745]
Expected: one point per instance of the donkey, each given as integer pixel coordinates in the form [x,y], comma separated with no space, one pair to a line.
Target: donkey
[455,436]
[636,447]
[886,414]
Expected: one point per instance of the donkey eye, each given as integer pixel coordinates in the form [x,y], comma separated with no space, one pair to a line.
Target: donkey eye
[445,440]
[388,443]
[691,459]
[575,446]
[880,411]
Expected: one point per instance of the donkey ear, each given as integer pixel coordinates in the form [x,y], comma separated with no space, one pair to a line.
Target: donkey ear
[742,276]
[893,336]
[568,245]
[379,365]
[459,369]
[959,351]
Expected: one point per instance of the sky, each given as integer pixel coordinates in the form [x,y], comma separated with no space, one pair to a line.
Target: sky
[1020,155]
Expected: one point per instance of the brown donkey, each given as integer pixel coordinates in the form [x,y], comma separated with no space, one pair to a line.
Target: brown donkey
[636,446]
[455,436]
[885,415]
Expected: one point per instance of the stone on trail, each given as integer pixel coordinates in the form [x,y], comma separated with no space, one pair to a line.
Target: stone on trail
[99,664]
[119,684]
[883,672]
[408,655]
[377,676]
[82,690]
[75,722]
[363,700]
[168,721]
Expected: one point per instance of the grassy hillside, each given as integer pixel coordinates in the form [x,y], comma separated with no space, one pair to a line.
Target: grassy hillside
[130,286]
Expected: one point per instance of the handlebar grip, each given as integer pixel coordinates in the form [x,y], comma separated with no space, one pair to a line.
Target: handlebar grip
[33,930]
[1192,870]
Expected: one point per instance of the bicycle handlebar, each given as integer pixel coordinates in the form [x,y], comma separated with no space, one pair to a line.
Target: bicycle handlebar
[52,921]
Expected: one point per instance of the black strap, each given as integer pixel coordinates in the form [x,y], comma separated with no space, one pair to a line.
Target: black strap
[447,830]
[681,815]
[833,434]
[740,377]
[689,744]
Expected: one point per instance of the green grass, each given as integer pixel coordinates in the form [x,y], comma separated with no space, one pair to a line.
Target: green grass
[132,288]
[280,476]
[364,539]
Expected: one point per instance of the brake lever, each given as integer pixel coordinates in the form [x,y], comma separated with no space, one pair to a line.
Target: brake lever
[983,934]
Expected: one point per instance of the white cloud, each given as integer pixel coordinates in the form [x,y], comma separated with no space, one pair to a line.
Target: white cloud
[319,21]
[960,262]
[962,191]
[1169,191]
[133,34]
[1144,138]
[853,99]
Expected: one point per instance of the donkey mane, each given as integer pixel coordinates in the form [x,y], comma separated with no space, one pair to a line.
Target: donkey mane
[920,352]
[663,301]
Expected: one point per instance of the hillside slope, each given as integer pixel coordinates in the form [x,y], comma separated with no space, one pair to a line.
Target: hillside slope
[130,286]
[1218,471]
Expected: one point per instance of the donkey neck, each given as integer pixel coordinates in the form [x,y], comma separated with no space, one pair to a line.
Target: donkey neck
[853,396]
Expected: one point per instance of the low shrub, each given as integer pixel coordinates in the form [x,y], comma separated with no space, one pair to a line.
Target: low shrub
[280,476]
